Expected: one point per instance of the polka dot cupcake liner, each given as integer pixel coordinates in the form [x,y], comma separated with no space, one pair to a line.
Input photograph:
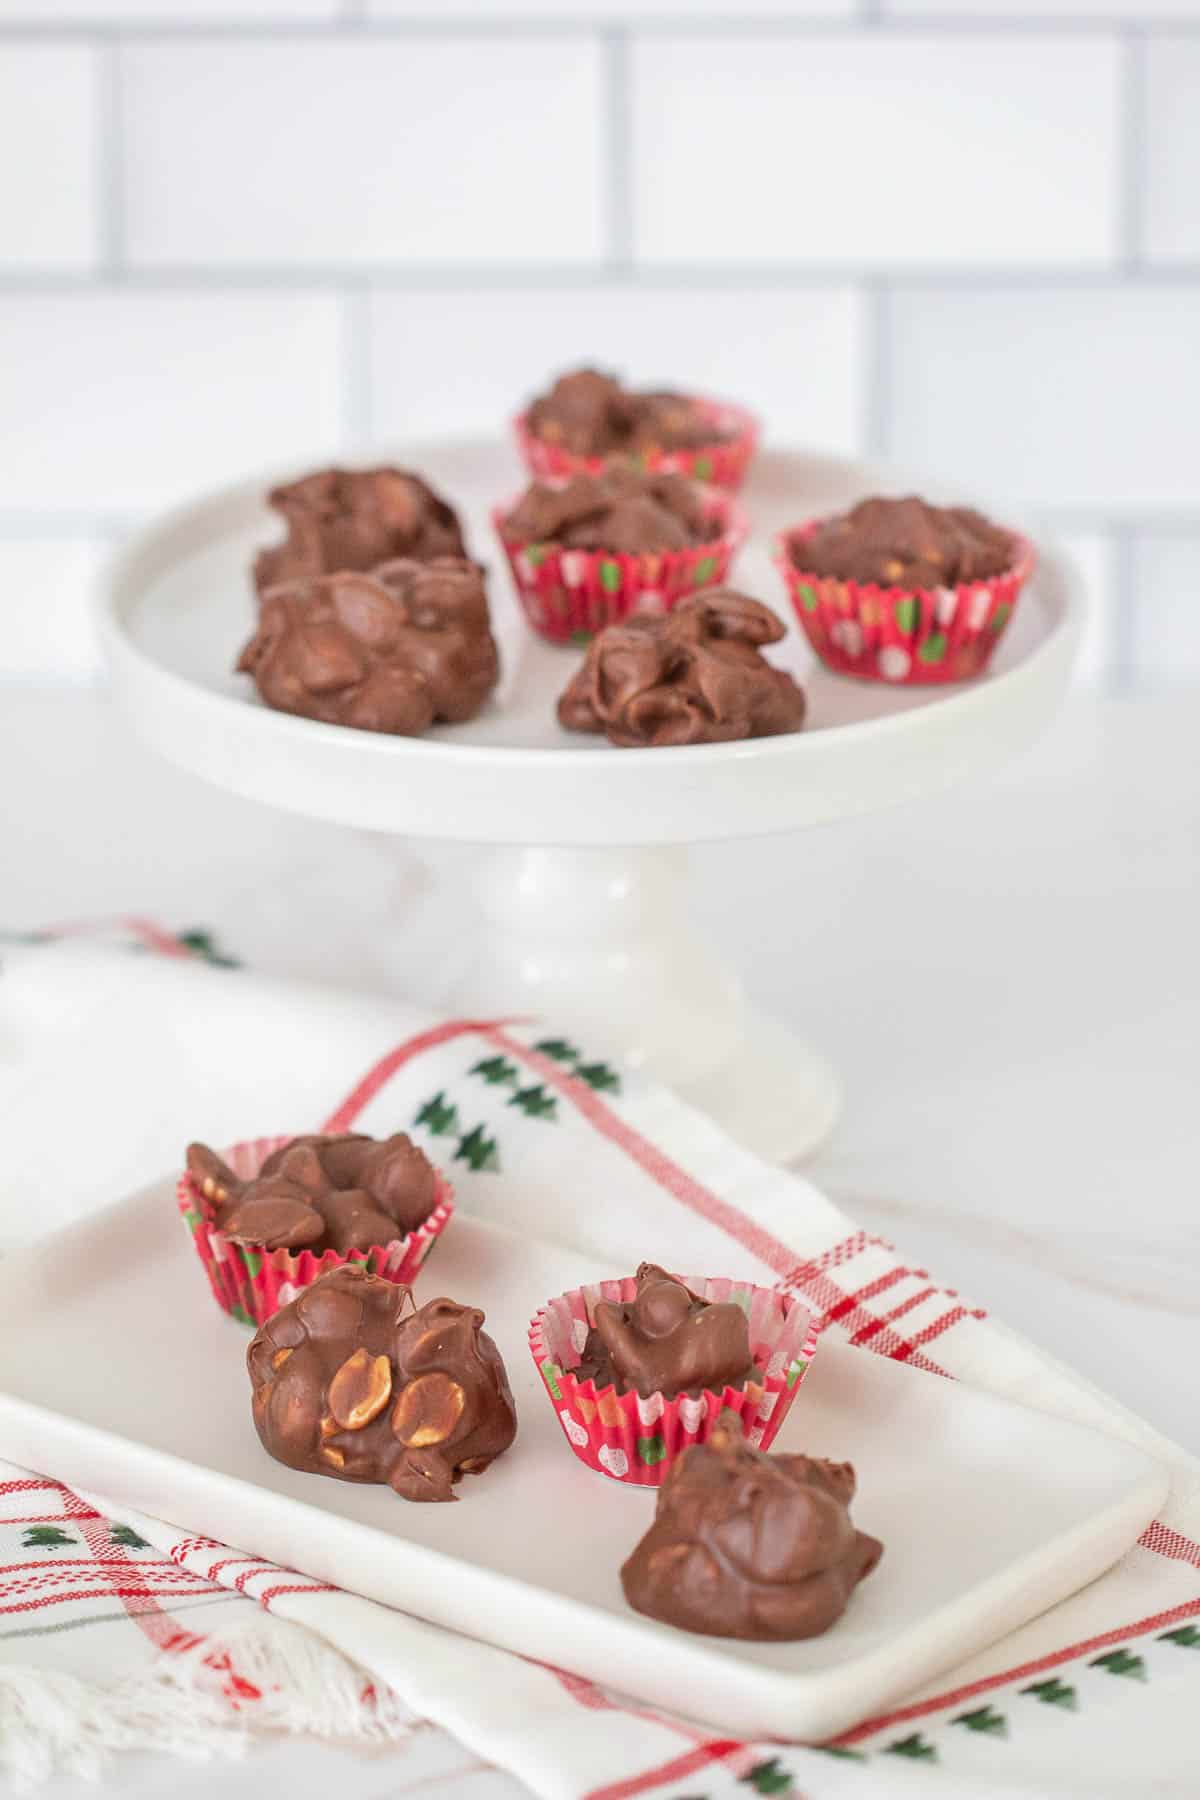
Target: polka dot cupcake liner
[634,1440]
[250,1284]
[570,595]
[904,637]
[723,463]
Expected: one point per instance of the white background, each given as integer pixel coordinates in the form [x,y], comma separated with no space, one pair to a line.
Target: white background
[241,231]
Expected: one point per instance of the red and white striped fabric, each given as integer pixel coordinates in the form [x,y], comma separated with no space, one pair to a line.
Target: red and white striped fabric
[1097,1697]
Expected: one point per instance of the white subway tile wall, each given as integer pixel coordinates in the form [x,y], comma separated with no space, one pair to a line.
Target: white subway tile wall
[49,579]
[356,154]
[1165,645]
[49,179]
[1173,147]
[886,149]
[450,359]
[113,402]
[961,234]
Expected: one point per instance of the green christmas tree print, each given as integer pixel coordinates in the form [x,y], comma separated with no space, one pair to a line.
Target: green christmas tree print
[768,1778]
[127,1537]
[598,1075]
[496,1070]
[841,1750]
[478,1150]
[1120,1662]
[984,1718]
[1054,1692]
[915,1746]
[558,1049]
[439,1115]
[1187,1636]
[47,1537]
[535,1102]
[204,945]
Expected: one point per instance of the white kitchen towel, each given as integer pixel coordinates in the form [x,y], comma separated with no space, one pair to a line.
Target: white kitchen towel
[109,1063]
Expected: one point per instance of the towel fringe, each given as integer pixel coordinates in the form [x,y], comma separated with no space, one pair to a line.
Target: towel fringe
[204,1701]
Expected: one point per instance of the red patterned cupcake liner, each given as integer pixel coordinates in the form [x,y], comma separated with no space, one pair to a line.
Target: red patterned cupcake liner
[905,637]
[252,1284]
[569,595]
[635,1440]
[723,463]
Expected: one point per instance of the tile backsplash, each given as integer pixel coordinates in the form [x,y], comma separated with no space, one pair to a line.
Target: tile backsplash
[963,235]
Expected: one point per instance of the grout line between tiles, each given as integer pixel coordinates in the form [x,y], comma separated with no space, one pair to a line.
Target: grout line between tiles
[617,112]
[109,172]
[357,401]
[19,526]
[303,277]
[586,25]
[1132,171]
[1124,659]
[877,370]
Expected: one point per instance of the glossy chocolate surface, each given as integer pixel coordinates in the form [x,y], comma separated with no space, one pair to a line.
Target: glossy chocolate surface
[590,413]
[321,1193]
[622,510]
[667,1341]
[398,650]
[353,519]
[353,1381]
[905,543]
[750,1545]
[692,676]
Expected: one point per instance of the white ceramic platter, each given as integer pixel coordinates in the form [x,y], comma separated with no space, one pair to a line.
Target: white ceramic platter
[122,1377]
[178,608]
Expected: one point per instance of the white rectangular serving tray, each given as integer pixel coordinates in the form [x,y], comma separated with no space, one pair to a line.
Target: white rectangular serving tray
[120,1375]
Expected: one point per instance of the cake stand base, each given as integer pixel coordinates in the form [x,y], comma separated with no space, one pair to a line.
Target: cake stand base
[601,943]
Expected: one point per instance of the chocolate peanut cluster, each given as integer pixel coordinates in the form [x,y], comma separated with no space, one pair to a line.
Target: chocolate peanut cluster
[353,1380]
[750,1545]
[667,1341]
[353,519]
[695,675]
[591,414]
[393,651]
[321,1193]
[905,543]
[624,511]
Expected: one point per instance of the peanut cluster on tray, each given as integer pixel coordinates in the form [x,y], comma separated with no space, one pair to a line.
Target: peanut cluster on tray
[658,1382]
[354,1380]
[746,1545]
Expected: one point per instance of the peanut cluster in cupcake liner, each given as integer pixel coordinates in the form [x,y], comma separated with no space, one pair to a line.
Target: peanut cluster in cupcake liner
[903,636]
[723,463]
[635,1440]
[251,1284]
[570,595]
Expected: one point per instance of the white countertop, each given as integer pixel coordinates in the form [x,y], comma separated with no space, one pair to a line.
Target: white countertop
[1006,976]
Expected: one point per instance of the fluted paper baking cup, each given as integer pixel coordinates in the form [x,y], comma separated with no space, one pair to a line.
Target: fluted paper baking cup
[904,637]
[570,595]
[252,1284]
[635,1440]
[723,463]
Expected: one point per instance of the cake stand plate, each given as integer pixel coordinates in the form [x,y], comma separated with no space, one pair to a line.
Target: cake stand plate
[584,897]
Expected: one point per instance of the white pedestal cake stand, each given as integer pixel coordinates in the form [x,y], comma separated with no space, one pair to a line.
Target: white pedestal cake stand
[584,897]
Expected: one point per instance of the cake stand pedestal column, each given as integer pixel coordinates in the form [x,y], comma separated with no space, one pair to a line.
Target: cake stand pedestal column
[600,942]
